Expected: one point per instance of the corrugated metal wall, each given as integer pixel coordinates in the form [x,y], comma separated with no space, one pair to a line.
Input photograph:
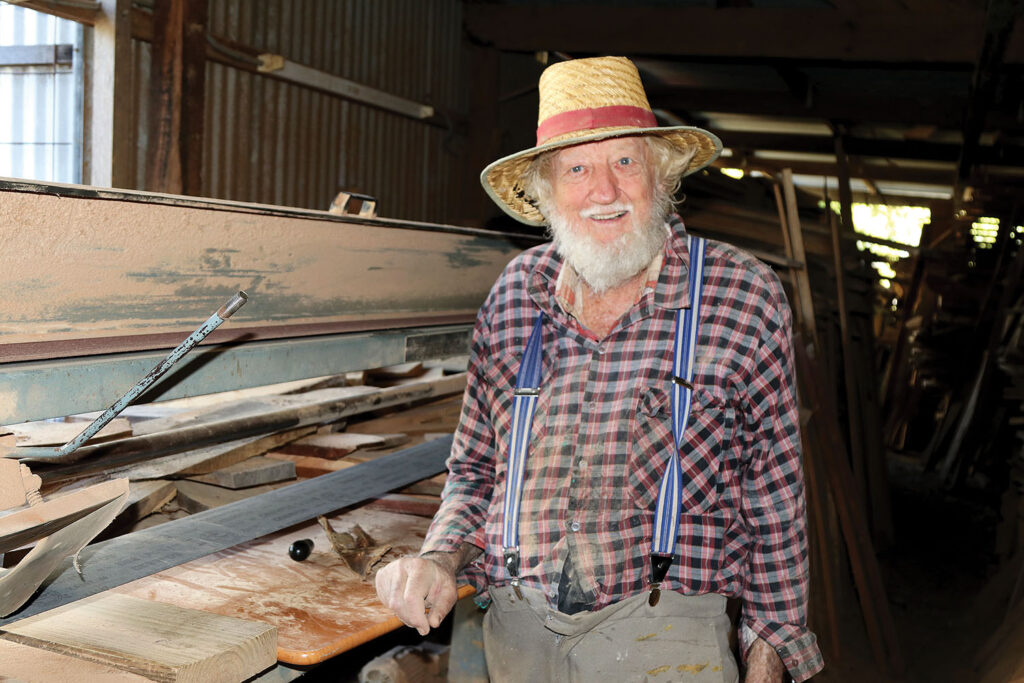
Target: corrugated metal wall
[280,143]
[38,102]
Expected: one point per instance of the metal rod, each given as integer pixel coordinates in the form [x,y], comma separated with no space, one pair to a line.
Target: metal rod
[212,323]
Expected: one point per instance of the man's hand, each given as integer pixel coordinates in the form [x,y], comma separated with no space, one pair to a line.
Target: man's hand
[763,664]
[412,585]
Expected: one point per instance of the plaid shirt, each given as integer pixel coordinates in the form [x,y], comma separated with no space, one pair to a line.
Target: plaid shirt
[603,424]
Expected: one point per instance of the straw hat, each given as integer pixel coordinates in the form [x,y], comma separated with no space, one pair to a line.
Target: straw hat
[583,100]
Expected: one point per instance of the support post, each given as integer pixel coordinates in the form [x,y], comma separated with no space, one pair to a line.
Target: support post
[792,225]
[176,99]
[110,138]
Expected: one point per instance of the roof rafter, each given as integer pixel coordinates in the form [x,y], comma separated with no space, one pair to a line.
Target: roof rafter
[898,35]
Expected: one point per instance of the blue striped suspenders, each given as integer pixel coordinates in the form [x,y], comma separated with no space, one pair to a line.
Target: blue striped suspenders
[666,519]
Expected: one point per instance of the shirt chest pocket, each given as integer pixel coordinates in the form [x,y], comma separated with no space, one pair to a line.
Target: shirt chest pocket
[701,455]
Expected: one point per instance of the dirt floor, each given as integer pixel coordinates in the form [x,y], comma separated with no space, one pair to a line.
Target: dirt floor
[945,593]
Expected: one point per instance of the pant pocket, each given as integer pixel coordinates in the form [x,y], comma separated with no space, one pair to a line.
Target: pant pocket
[657,650]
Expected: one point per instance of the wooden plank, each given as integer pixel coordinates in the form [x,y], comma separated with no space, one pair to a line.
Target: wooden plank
[53,514]
[805,299]
[26,664]
[19,583]
[339,444]
[320,607]
[405,503]
[441,415]
[44,433]
[159,641]
[252,472]
[256,416]
[307,466]
[125,558]
[866,572]
[144,498]
[196,497]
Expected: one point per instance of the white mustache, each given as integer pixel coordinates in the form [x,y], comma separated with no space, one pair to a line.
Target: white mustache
[609,210]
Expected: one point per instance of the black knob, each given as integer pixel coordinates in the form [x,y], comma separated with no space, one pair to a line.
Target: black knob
[300,550]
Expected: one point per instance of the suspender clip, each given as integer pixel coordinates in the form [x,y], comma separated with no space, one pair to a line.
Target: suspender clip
[682,382]
[659,569]
[512,567]
[526,391]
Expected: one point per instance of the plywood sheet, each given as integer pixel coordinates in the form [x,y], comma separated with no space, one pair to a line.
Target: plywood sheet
[319,606]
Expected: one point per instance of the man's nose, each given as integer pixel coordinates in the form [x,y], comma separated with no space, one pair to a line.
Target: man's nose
[604,187]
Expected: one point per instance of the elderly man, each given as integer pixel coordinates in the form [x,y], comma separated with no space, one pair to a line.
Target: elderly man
[628,453]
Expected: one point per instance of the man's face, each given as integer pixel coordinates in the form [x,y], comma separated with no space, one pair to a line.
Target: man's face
[606,213]
[604,188]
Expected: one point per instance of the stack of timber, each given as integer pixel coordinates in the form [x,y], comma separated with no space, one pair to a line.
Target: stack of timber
[829,284]
[207,451]
[193,456]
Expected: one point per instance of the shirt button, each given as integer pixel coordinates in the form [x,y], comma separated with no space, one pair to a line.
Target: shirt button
[575,526]
[582,464]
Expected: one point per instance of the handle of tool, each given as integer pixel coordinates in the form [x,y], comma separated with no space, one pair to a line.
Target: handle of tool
[201,332]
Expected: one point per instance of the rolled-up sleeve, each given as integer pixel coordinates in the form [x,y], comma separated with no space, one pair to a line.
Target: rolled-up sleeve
[775,598]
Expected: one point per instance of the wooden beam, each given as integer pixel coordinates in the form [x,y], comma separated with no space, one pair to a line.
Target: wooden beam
[176,100]
[950,36]
[943,111]
[991,155]
[1001,18]
[857,169]
[85,14]
[109,144]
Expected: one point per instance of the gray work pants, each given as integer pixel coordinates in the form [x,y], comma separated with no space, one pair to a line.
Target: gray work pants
[682,638]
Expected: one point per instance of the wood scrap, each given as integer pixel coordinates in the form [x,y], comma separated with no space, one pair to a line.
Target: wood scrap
[46,433]
[144,498]
[339,444]
[407,503]
[196,497]
[103,502]
[195,461]
[255,471]
[441,415]
[142,413]
[432,486]
[357,550]
[26,664]
[159,641]
[141,553]
[256,416]
[307,466]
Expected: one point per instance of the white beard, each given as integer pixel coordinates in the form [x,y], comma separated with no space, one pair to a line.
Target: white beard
[603,265]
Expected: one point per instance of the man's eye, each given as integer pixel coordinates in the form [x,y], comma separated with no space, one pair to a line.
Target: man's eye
[625,161]
[576,169]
